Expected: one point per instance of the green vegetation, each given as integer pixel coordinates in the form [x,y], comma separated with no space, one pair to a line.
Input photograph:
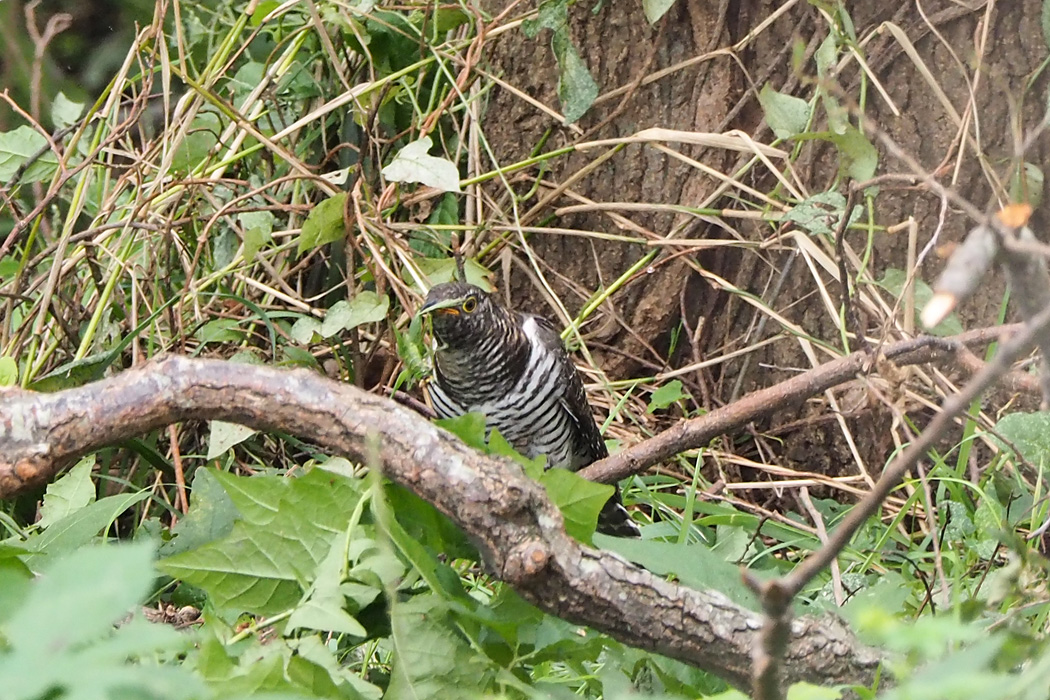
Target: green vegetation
[279,187]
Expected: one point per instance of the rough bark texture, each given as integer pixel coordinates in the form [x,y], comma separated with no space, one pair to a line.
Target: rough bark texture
[516,529]
[716,95]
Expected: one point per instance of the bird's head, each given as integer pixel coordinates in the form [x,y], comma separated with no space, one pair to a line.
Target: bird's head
[460,313]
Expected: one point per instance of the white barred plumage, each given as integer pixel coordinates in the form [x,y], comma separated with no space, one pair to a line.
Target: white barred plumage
[514,369]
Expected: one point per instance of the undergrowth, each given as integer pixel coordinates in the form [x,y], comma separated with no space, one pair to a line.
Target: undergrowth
[280,186]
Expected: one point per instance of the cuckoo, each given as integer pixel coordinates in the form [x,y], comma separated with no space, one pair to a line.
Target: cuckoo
[513,368]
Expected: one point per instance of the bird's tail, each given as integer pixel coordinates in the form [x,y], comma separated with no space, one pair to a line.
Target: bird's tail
[615,520]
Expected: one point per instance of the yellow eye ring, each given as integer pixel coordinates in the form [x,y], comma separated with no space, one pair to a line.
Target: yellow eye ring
[470,304]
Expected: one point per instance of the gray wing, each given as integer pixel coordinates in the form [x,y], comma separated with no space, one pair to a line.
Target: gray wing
[589,446]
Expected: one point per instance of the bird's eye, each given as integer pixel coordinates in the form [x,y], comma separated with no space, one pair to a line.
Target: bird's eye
[470,304]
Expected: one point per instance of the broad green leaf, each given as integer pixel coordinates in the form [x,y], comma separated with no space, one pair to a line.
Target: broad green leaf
[222,436]
[365,307]
[93,586]
[413,163]
[286,529]
[8,371]
[857,157]
[894,280]
[553,14]
[695,565]
[439,270]
[69,494]
[306,331]
[211,515]
[786,115]
[64,111]
[220,330]
[77,529]
[430,659]
[323,608]
[15,578]
[1029,434]
[64,640]
[1026,184]
[578,499]
[655,9]
[666,395]
[821,213]
[324,224]
[17,147]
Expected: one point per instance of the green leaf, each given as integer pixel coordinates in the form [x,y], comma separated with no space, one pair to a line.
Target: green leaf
[119,576]
[365,307]
[821,214]
[324,224]
[64,111]
[211,515]
[430,659]
[8,370]
[470,428]
[414,164]
[1026,184]
[552,14]
[286,530]
[77,529]
[858,158]
[323,608]
[578,499]
[17,147]
[655,9]
[439,270]
[306,331]
[63,640]
[258,231]
[222,436]
[695,565]
[666,395]
[576,88]
[220,330]
[894,280]
[1029,434]
[786,115]
[69,494]
[15,578]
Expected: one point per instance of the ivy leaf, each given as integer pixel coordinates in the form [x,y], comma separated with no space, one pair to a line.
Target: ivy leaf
[414,164]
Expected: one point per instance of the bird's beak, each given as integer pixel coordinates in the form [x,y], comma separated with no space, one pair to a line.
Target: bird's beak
[445,306]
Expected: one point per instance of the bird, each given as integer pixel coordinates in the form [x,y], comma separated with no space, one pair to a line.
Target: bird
[513,368]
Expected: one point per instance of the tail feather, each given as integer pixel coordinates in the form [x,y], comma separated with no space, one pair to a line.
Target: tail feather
[615,520]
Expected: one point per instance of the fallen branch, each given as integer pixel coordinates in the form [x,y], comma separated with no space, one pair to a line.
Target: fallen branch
[516,529]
